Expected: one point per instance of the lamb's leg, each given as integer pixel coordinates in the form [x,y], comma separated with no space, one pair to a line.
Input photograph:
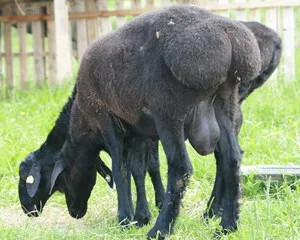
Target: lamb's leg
[121,173]
[139,165]
[230,157]
[179,172]
[154,172]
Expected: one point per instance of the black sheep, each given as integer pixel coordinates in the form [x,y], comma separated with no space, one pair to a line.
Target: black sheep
[165,62]
[270,50]
[270,69]
[35,171]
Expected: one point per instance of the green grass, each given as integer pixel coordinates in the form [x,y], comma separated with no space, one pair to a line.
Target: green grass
[270,135]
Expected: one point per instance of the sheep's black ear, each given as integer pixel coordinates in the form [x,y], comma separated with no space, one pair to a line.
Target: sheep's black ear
[58,168]
[33,180]
[105,172]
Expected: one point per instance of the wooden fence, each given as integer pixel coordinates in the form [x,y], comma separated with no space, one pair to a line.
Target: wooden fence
[29,52]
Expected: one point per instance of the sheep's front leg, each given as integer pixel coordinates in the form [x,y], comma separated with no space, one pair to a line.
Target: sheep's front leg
[154,172]
[138,158]
[121,174]
[179,172]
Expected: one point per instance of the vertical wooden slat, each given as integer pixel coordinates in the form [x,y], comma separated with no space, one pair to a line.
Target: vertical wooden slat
[73,31]
[8,50]
[271,18]
[240,14]
[166,3]
[224,13]
[255,13]
[51,47]
[81,30]
[149,3]
[38,41]
[106,26]
[272,22]
[136,4]
[22,31]
[288,43]
[92,24]
[62,38]
[120,6]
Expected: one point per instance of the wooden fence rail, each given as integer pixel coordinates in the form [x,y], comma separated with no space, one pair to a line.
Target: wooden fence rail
[43,49]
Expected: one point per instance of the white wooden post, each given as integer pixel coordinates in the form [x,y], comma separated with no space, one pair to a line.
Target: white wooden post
[38,41]
[105,23]
[62,39]
[81,30]
[224,13]
[255,13]
[288,26]
[272,22]
[240,14]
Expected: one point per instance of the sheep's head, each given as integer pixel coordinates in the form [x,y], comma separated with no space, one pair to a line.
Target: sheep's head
[35,181]
[79,183]
[40,176]
[269,43]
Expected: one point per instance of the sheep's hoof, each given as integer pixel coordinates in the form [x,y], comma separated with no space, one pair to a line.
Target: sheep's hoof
[217,234]
[225,230]
[205,217]
[142,220]
[125,223]
[209,214]
[154,233]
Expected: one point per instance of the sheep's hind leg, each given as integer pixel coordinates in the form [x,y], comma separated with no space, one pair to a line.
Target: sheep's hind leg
[215,203]
[230,158]
[179,172]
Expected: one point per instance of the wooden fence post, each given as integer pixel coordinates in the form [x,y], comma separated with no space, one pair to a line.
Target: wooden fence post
[51,47]
[288,40]
[240,14]
[105,23]
[22,31]
[8,50]
[22,34]
[81,30]
[92,24]
[120,6]
[224,13]
[255,13]
[38,40]
[272,22]
[62,39]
